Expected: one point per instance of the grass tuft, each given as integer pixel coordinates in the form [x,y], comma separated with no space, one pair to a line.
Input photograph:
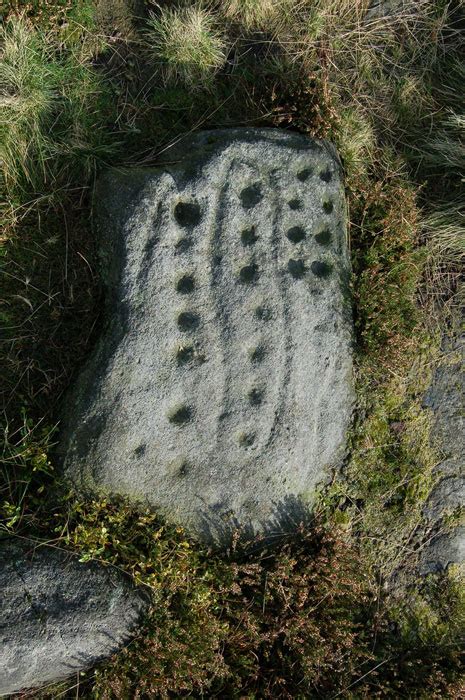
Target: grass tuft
[50,107]
[29,93]
[188,44]
[444,228]
[254,14]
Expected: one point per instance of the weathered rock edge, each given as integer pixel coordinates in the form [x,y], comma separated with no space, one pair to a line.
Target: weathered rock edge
[444,536]
[225,403]
[59,616]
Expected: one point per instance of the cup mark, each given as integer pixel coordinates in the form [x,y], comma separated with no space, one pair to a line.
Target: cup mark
[257,354]
[246,439]
[304,174]
[263,313]
[326,175]
[188,320]
[250,196]
[323,237]
[184,354]
[328,206]
[180,415]
[185,284]
[179,467]
[321,268]
[183,244]
[248,236]
[255,396]
[296,234]
[187,214]
[249,274]
[296,268]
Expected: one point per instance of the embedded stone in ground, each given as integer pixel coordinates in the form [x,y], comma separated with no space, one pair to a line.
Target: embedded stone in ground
[445,532]
[59,616]
[227,345]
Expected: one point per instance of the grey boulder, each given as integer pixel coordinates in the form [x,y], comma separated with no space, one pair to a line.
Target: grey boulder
[442,550]
[220,391]
[444,509]
[59,616]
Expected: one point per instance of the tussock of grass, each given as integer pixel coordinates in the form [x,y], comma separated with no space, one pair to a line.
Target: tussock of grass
[255,14]
[446,231]
[444,228]
[357,141]
[377,67]
[440,156]
[28,86]
[188,43]
[445,148]
[51,128]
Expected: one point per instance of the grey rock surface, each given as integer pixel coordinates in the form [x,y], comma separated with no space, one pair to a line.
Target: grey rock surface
[446,399]
[58,616]
[382,8]
[444,549]
[385,9]
[221,389]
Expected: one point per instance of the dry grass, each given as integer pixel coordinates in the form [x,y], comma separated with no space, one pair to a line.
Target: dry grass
[28,93]
[255,14]
[188,44]
[51,130]
[446,232]
[444,228]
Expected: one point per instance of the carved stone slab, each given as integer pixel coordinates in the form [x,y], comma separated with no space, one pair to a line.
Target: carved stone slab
[221,389]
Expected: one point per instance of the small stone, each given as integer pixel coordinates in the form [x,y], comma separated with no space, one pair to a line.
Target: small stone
[59,616]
